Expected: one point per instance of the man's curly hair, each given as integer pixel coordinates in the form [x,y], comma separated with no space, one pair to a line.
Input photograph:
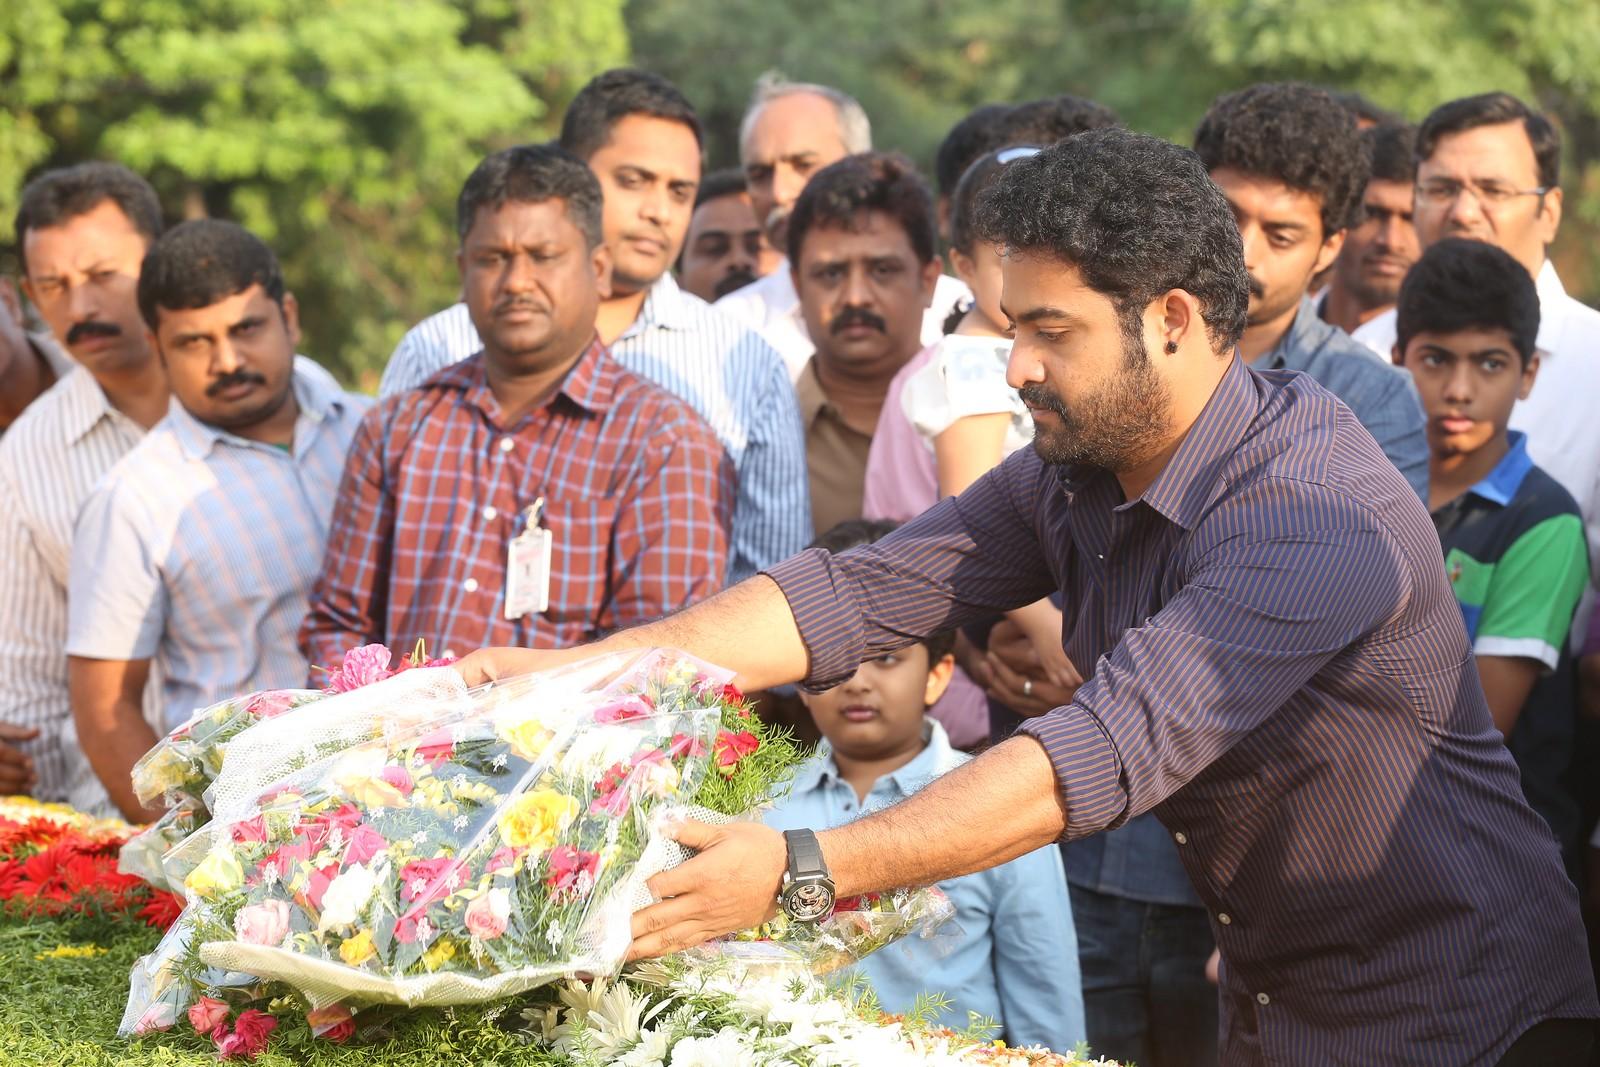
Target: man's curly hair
[869,181]
[1295,134]
[1135,215]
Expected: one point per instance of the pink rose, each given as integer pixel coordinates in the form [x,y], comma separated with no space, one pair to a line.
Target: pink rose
[624,710]
[365,843]
[266,923]
[208,1013]
[272,703]
[346,817]
[250,832]
[504,858]
[424,881]
[572,871]
[437,747]
[248,1039]
[488,914]
[333,1023]
[398,777]
[158,1016]
[684,745]
[361,666]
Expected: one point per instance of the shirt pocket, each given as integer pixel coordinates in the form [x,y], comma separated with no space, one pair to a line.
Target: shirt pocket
[582,556]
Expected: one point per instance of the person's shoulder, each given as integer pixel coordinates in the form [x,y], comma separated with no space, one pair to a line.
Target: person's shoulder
[733,342]
[651,410]
[1539,497]
[41,426]
[1352,372]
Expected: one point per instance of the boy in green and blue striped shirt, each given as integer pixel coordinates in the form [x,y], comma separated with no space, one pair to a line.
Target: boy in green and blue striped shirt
[1513,538]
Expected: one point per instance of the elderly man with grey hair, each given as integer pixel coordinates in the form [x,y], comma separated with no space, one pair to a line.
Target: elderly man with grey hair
[790,131]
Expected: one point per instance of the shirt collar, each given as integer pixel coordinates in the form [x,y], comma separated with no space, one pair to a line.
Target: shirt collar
[808,390]
[1189,480]
[935,759]
[1548,283]
[1502,483]
[83,405]
[1304,335]
[665,307]
[590,384]
[315,392]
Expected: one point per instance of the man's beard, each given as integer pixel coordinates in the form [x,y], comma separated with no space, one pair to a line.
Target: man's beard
[1115,428]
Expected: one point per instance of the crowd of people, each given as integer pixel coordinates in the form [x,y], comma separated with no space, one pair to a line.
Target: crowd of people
[658,382]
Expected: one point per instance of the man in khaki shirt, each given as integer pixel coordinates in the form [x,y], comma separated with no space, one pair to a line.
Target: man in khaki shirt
[865,263]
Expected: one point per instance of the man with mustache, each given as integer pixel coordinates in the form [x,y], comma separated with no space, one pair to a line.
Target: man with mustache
[82,232]
[865,261]
[197,551]
[1489,169]
[1290,161]
[537,493]
[726,248]
[642,139]
[790,132]
[1380,248]
[1277,668]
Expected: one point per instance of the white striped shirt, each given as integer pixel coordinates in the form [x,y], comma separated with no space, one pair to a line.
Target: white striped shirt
[50,459]
[732,378]
[199,549]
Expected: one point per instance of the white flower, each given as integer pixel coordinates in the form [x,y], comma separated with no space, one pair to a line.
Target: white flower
[651,1051]
[609,1016]
[728,1048]
[499,761]
[460,822]
[553,935]
[419,837]
[345,897]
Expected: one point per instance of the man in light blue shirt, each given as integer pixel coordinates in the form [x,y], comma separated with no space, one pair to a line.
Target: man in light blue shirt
[641,139]
[199,548]
[1015,960]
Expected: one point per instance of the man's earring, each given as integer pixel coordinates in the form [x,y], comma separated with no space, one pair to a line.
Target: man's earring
[1172,347]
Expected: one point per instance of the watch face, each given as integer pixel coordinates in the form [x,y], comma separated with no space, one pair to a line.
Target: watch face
[808,901]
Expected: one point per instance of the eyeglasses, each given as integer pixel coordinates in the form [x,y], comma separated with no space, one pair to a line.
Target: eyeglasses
[1443,191]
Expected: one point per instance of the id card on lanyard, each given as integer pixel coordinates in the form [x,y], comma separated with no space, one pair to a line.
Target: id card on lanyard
[528,566]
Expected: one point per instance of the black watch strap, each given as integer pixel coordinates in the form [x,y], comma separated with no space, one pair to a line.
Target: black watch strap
[805,853]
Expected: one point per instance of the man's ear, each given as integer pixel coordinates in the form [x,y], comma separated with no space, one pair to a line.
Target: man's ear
[291,319]
[1529,373]
[600,258]
[930,279]
[1331,246]
[1550,215]
[1179,313]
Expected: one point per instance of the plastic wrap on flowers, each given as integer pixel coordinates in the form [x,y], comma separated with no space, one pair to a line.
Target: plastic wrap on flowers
[143,854]
[858,927]
[458,861]
[182,765]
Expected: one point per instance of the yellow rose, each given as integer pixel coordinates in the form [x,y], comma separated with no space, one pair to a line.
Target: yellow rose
[358,949]
[527,738]
[217,873]
[535,819]
[442,952]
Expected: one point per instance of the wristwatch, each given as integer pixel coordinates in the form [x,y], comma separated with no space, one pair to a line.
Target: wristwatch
[807,892]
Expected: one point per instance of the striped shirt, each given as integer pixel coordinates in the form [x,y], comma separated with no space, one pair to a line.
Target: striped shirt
[50,459]
[1282,676]
[724,371]
[637,495]
[199,549]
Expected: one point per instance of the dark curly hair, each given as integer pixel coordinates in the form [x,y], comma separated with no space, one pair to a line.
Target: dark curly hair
[1461,284]
[1494,109]
[1393,150]
[870,181]
[992,126]
[1294,134]
[1135,215]
[57,196]
[532,174]
[613,96]
[202,262]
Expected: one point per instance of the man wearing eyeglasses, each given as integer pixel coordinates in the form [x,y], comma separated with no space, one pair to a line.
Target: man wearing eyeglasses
[1489,168]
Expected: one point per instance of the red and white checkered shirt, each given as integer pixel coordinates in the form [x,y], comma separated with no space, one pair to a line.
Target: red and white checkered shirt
[638,497]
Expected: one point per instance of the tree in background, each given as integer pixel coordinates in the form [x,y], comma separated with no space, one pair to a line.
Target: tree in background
[919,65]
[339,130]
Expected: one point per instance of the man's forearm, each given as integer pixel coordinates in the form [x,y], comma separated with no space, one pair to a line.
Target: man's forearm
[114,739]
[748,629]
[1000,806]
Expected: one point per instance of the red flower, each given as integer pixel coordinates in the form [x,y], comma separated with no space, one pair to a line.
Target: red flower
[365,843]
[731,694]
[567,865]
[316,885]
[248,1038]
[437,747]
[425,881]
[683,745]
[611,804]
[362,666]
[731,748]
[346,817]
[625,710]
[272,703]
[250,832]
[334,1023]
[503,858]
[398,777]
[162,909]
[207,1014]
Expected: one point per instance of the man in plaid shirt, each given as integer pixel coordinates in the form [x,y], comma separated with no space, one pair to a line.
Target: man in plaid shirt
[609,495]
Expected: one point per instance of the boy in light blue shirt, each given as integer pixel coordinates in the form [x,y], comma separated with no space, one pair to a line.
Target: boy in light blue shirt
[1016,961]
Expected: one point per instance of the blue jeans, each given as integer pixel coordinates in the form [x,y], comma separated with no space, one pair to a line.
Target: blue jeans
[1146,999]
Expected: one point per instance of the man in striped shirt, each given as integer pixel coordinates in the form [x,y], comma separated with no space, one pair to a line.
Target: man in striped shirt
[197,551]
[641,138]
[83,232]
[1279,670]
[536,493]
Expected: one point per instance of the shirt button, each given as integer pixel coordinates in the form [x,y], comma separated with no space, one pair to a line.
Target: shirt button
[1262,998]
[507,444]
[470,585]
[1224,918]
[489,512]
[1181,838]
